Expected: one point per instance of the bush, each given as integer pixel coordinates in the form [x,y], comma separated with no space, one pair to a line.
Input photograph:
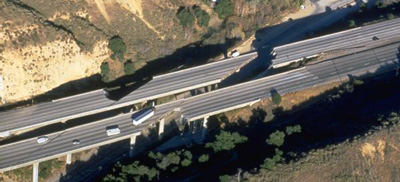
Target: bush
[105,72]
[202,16]
[117,46]
[293,129]
[352,24]
[226,141]
[276,98]
[185,17]
[203,158]
[390,16]
[277,138]
[224,178]
[224,9]
[131,172]
[186,162]
[268,164]
[129,68]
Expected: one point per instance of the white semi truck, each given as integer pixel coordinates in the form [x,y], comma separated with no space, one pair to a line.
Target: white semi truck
[142,116]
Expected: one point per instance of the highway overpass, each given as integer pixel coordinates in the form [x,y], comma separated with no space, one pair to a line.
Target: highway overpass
[96,101]
[28,152]
[356,38]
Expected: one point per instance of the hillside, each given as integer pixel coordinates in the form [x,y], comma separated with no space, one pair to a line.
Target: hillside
[45,44]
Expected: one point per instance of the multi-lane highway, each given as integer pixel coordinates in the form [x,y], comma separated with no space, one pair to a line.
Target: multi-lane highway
[350,39]
[186,79]
[96,101]
[51,112]
[379,59]
[93,134]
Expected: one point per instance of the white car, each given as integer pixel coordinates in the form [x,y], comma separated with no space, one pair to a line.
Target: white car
[113,131]
[235,53]
[42,139]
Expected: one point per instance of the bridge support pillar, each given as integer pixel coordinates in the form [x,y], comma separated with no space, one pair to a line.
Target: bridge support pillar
[204,127]
[35,172]
[69,159]
[161,127]
[132,146]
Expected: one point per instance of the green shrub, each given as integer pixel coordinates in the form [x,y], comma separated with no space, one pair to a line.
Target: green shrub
[224,178]
[185,17]
[268,164]
[352,24]
[293,129]
[129,68]
[186,162]
[277,138]
[203,158]
[105,72]
[226,141]
[202,16]
[390,16]
[117,46]
[276,98]
[224,8]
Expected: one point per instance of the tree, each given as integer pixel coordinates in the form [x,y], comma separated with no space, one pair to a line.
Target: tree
[186,162]
[169,159]
[133,171]
[224,9]
[277,138]
[352,24]
[117,46]
[226,141]
[185,17]
[203,158]
[129,68]
[269,163]
[276,98]
[105,72]
[202,16]
[224,178]
[293,129]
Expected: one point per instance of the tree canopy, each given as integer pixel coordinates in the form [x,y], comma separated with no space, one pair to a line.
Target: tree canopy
[276,138]
[117,46]
[202,16]
[224,8]
[185,17]
[226,141]
[105,72]
[133,171]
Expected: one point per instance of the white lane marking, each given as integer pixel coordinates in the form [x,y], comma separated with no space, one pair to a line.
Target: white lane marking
[367,64]
[315,78]
[350,68]
[333,73]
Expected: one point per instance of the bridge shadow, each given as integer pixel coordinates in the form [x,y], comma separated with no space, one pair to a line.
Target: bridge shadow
[187,56]
[345,113]
[101,162]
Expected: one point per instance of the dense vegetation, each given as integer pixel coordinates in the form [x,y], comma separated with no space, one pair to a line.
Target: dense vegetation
[105,71]
[175,164]
[118,47]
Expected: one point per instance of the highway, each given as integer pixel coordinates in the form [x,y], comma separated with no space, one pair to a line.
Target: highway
[353,38]
[23,153]
[15,155]
[96,101]
[51,112]
[187,79]
[383,58]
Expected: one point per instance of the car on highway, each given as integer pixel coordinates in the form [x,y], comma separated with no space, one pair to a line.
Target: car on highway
[42,139]
[113,130]
[76,142]
[143,115]
[235,53]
